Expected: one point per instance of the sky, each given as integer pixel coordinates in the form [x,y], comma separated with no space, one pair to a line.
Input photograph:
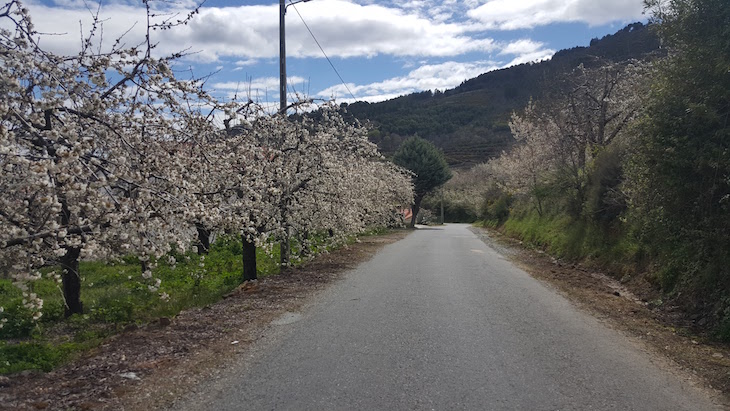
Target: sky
[380,48]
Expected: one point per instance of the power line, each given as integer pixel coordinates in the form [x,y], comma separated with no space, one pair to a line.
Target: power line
[322,50]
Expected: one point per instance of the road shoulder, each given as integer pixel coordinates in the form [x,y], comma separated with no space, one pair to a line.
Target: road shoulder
[150,367]
[626,308]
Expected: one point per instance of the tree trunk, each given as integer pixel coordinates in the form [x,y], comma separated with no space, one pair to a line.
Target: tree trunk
[203,239]
[285,248]
[71,281]
[249,259]
[304,244]
[70,277]
[414,211]
[284,244]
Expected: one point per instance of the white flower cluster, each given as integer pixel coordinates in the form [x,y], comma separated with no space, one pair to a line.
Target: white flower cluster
[563,133]
[108,154]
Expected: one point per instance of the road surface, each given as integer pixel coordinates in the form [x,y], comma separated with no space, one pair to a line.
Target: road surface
[440,321]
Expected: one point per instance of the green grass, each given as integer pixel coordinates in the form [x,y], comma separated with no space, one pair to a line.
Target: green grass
[565,237]
[115,295]
[36,355]
[115,292]
[556,234]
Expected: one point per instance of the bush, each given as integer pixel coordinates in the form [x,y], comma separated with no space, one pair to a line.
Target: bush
[53,311]
[497,210]
[604,202]
[20,322]
[113,310]
[33,356]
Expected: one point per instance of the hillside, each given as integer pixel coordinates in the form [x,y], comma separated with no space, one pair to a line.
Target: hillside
[470,122]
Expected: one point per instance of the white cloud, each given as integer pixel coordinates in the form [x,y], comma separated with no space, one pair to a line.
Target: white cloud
[522,46]
[413,31]
[261,90]
[511,14]
[427,77]
[241,64]
[248,62]
[344,29]
[533,57]
[261,84]
[526,51]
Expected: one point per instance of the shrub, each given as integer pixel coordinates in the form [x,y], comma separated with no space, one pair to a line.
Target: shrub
[19,323]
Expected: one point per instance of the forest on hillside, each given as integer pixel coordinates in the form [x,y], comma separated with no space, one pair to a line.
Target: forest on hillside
[627,165]
[470,123]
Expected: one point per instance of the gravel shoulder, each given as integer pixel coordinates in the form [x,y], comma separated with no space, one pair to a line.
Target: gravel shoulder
[626,306]
[149,367]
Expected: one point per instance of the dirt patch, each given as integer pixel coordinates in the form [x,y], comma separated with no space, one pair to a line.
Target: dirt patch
[627,306]
[149,367]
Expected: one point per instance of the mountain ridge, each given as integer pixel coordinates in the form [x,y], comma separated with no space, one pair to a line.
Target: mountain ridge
[470,122]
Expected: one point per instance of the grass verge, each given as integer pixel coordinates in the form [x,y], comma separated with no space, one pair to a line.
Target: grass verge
[115,296]
[569,239]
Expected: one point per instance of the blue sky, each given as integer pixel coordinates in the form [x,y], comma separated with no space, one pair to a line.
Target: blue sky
[381,48]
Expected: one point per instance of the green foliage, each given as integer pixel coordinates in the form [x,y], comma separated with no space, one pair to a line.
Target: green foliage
[457,213]
[33,355]
[115,294]
[497,210]
[373,231]
[605,203]
[428,166]
[53,311]
[554,233]
[114,310]
[565,237]
[658,196]
[682,173]
[722,331]
[20,321]
[425,161]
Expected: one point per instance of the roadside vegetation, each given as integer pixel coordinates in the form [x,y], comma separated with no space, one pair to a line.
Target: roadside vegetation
[116,300]
[627,166]
[129,194]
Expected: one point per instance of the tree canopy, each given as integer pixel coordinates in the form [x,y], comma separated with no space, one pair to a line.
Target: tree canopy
[107,154]
[428,166]
[685,143]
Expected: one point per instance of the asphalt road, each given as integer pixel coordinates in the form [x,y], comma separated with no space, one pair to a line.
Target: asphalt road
[440,321]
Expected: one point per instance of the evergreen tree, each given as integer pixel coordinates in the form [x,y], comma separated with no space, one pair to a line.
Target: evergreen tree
[428,166]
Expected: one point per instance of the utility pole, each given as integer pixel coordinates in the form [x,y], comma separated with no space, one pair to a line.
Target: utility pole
[282,56]
[282,52]
[285,242]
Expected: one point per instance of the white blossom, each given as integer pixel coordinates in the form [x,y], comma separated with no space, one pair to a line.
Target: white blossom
[108,154]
